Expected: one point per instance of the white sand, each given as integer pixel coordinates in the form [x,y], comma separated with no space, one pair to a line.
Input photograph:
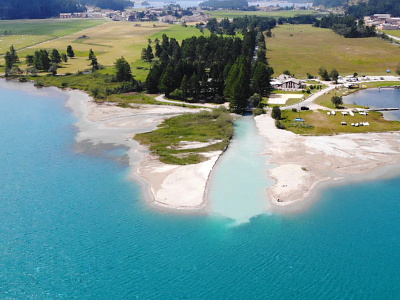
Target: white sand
[178,187]
[302,162]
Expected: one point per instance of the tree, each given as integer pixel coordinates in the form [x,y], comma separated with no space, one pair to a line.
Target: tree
[94,63]
[53,69]
[323,73]
[334,75]
[398,69]
[255,100]
[123,70]
[41,60]
[64,57]
[168,80]
[14,55]
[276,113]
[9,62]
[70,52]
[287,72]
[337,100]
[55,56]
[91,54]
[29,60]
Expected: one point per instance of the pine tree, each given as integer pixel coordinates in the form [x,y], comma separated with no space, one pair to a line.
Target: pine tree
[70,52]
[55,56]
[123,70]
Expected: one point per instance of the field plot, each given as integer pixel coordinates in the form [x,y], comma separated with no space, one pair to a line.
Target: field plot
[109,41]
[280,13]
[395,33]
[25,33]
[302,49]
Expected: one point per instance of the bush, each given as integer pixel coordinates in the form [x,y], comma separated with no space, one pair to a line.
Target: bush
[294,110]
[279,124]
[258,111]
[276,113]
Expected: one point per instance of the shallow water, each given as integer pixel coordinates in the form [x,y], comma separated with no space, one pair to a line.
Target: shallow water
[239,181]
[377,98]
[73,226]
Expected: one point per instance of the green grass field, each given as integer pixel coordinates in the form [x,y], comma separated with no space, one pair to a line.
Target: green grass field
[302,49]
[25,33]
[395,33]
[322,124]
[220,14]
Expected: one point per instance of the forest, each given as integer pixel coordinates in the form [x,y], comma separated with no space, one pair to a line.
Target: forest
[375,7]
[213,69]
[346,25]
[42,9]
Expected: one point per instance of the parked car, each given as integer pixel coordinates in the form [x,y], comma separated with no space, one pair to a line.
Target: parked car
[304,108]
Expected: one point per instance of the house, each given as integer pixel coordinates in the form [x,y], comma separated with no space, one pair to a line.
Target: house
[287,83]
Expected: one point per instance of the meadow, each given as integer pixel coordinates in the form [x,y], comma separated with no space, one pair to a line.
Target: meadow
[25,33]
[319,123]
[302,49]
[109,40]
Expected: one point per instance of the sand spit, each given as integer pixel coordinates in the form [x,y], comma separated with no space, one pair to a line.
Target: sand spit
[171,186]
[302,162]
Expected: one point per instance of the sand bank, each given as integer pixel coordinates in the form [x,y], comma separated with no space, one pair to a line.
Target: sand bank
[303,162]
[172,186]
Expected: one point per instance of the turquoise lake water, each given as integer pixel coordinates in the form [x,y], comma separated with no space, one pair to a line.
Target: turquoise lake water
[73,226]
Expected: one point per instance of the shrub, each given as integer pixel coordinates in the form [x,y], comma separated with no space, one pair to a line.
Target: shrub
[279,124]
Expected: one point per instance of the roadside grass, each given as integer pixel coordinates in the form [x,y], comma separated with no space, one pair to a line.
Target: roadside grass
[395,33]
[302,49]
[100,80]
[377,84]
[201,127]
[125,100]
[25,33]
[322,124]
[280,13]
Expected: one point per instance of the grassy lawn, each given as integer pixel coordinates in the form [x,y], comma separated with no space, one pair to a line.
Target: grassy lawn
[302,49]
[395,33]
[200,127]
[281,13]
[322,124]
[179,32]
[25,33]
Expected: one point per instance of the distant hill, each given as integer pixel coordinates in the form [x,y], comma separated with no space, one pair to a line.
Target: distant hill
[225,4]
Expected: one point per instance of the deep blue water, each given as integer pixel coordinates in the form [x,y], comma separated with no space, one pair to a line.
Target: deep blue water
[73,226]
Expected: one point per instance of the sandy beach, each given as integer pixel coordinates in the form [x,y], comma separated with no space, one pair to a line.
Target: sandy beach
[304,162]
[170,186]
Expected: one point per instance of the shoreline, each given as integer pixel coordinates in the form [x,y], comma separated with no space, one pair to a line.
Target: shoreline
[305,165]
[301,166]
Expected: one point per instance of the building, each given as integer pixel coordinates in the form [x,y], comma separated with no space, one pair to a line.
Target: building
[287,83]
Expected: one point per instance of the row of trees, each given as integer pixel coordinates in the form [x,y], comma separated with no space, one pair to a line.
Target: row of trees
[42,60]
[347,25]
[242,24]
[333,75]
[211,68]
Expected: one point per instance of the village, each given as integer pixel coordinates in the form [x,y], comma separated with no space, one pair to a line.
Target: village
[169,14]
[383,21]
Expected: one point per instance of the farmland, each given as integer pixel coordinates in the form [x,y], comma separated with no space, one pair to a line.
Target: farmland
[302,49]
